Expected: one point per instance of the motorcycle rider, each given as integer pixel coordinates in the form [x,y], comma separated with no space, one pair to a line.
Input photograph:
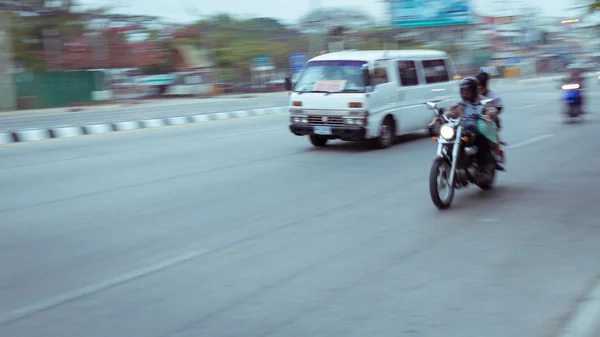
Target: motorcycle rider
[575,77]
[470,109]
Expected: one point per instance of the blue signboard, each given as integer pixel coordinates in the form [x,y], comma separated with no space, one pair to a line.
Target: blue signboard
[262,61]
[513,60]
[297,61]
[430,13]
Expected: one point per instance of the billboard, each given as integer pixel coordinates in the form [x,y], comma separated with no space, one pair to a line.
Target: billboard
[262,62]
[297,61]
[430,13]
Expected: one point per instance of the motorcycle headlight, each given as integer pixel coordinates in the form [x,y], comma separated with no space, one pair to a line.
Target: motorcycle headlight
[570,87]
[447,132]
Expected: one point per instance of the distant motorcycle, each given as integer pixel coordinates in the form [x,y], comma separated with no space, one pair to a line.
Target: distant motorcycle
[572,99]
[456,164]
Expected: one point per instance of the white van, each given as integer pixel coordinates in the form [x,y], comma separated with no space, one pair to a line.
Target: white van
[330,100]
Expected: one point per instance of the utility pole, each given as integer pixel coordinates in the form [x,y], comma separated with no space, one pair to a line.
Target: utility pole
[315,38]
[7,88]
[389,39]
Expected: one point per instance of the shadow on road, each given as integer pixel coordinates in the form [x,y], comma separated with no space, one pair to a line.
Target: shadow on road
[367,146]
[473,197]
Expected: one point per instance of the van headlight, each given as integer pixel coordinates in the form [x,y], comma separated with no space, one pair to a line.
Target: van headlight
[354,121]
[299,119]
[447,132]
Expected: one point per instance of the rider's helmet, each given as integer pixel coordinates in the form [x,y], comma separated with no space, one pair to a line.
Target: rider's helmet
[469,89]
[575,68]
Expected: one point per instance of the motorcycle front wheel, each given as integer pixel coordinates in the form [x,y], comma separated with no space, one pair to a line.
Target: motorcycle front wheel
[440,189]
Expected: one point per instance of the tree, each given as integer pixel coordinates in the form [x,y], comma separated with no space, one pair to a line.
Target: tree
[327,18]
[37,35]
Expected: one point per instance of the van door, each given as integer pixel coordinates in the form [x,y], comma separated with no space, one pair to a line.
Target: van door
[411,100]
[383,99]
[437,79]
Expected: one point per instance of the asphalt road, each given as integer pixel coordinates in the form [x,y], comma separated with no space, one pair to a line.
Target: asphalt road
[148,110]
[239,228]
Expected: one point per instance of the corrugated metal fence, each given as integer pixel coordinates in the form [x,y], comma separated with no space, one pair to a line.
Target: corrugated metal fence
[57,89]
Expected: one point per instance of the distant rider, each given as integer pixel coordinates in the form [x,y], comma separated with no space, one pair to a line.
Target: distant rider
[575,77]
[470,108]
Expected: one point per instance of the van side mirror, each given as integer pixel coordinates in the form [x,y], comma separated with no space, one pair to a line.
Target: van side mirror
[485,102]
[431,105]
[288,84]
[366,75]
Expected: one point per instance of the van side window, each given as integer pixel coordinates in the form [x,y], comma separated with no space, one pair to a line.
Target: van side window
[450,68]
[435,71]
[408,73]
[380,75]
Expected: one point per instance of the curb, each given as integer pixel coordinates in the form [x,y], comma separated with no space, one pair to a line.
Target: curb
[32,135]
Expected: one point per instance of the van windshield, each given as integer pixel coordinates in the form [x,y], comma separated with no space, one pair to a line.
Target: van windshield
[331,76]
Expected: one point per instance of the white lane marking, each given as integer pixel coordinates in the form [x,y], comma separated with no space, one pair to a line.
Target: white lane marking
[98,287]
[530,141]
[586,320]
[525,107]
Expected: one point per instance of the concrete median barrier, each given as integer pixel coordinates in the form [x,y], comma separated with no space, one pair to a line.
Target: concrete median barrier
[152,123]
[200,118]
[6,138]
[67,132]
[97,129]
[127,126]
[28,135]
[178,120]
[33,135]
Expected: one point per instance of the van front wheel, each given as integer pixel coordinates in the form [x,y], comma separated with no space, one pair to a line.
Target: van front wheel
[318,141]
[387,134]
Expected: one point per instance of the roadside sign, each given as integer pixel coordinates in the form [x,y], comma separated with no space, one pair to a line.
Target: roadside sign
[262,62]
[297,61]
[513,60]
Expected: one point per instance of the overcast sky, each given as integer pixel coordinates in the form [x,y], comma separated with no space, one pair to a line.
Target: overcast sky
[288,11]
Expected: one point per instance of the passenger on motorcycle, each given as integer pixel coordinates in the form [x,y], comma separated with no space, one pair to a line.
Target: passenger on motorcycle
[484,81]
[469,108]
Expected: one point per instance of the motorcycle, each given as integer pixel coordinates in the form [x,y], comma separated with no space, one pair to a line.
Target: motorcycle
[572,99]
[456,164]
